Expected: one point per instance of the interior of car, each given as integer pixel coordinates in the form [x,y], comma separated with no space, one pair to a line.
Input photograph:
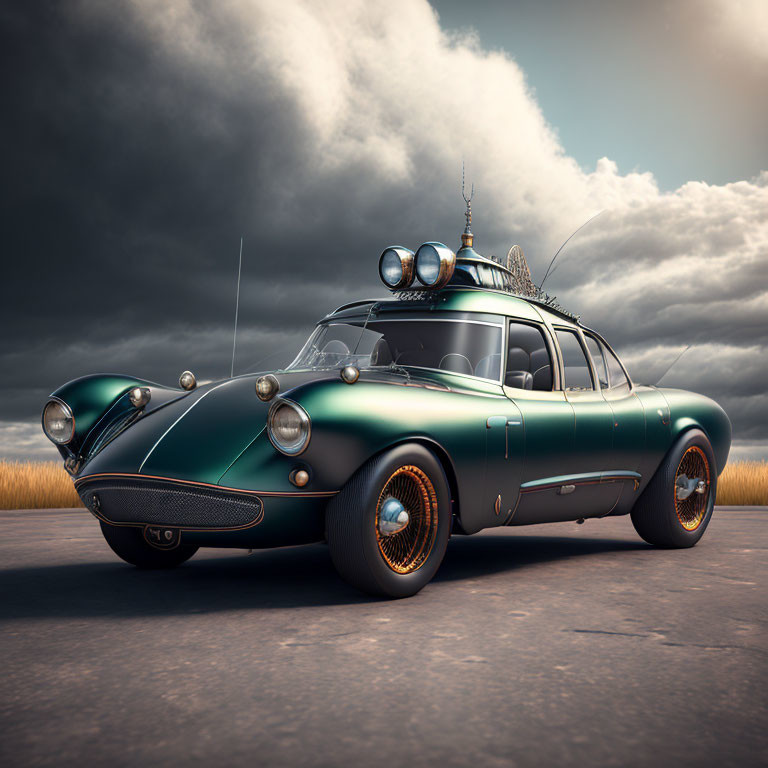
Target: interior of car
[529,365]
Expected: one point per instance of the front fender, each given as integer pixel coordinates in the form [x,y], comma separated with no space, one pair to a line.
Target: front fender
[692,411]
[352,423]
[91,398]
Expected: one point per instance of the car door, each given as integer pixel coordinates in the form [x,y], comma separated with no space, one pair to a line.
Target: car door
[627,411]
[570,481]
[544,437]
[629,417]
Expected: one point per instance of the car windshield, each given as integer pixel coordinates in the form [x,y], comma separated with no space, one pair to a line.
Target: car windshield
[464,346]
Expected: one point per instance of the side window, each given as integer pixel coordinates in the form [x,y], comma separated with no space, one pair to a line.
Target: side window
[596,353]
[618,379]
[577,375]
[529,365]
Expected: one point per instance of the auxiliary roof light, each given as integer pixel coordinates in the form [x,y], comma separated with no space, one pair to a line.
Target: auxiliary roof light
[396,267]
[435,263]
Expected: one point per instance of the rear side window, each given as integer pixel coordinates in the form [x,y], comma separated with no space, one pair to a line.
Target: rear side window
[596,353]
[618,379]
[577,375]
[529,365]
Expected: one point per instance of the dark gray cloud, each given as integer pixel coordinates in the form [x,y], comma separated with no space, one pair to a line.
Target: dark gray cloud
[140,141]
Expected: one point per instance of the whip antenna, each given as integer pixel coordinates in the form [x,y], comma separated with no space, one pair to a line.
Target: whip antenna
[673,363]
[237,308]
[549,268]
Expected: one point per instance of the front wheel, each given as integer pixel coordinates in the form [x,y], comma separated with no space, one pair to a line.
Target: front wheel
[128,543]
[388,528]
[677,505]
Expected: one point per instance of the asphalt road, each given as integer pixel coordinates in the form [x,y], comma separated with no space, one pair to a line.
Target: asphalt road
[547,645]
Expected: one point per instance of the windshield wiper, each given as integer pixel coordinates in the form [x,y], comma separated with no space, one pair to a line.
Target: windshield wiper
[365,325]
[393,366]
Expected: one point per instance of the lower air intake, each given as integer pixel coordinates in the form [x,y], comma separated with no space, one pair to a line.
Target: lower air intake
[158,502]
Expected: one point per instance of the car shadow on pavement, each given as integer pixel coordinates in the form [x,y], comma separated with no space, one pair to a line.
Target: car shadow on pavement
[268,579]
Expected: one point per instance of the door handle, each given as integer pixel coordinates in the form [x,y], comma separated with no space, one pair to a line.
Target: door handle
[501,421]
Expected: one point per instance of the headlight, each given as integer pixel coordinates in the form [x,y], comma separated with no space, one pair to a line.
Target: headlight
[396,267]
[435,263]
[58,422]
[288,427]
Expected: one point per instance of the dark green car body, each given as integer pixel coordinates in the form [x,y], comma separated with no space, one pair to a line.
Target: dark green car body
[512,456]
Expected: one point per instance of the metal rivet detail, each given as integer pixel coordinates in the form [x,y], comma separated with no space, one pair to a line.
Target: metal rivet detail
[350,374]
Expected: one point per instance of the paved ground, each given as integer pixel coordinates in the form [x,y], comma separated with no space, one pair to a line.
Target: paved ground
[548,645]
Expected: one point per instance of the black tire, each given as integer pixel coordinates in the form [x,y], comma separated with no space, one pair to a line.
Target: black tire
[128,543]
[362,556]
[658,516]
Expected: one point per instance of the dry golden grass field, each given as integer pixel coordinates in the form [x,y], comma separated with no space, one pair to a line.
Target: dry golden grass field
[39,485]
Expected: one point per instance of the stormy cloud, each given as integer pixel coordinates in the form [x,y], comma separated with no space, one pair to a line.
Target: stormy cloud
[141,140]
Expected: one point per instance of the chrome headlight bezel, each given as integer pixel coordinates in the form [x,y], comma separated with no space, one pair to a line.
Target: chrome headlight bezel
[441,271]
[297,446]
[55,402]
[403,263]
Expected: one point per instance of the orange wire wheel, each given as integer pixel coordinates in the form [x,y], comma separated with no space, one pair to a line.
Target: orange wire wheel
[692,484]
[406,519]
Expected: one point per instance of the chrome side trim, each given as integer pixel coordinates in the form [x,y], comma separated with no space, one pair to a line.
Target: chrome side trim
[584,478]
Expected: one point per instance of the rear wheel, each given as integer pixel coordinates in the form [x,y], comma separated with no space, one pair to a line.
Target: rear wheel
[677,505]
[129,543]
[388,528]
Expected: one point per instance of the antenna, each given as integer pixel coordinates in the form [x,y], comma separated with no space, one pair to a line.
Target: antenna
[467,237]
[549,268]
[672,364]
[237,308]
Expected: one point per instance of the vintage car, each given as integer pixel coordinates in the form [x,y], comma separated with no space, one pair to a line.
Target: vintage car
[464,401]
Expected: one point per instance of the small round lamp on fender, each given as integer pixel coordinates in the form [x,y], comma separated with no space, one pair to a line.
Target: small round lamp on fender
[299,477]
[187,380]
[267,387]
[139,396]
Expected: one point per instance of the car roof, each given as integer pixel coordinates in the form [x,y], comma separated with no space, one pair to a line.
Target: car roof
[471,299]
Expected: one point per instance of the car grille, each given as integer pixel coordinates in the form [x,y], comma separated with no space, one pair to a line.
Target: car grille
[160,502]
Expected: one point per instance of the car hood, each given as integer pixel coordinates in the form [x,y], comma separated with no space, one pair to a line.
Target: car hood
[196,437]
[199,436]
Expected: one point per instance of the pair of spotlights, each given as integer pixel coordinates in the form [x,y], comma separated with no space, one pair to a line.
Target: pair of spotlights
[432,264]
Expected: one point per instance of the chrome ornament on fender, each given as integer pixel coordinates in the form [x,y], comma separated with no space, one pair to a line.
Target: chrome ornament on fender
[350,374]
[267,387]
[139,396]
[187,380]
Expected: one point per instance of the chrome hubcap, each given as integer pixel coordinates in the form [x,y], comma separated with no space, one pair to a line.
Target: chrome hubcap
[692,487]
[685,486]
[393,517]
